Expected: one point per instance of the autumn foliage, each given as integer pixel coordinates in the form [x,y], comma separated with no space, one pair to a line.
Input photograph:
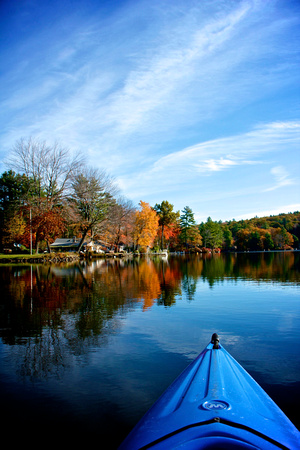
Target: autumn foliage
[145,225]
[55,195]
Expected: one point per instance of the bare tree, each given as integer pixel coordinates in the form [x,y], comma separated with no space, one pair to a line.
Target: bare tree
[49,166]
[121,220]
[49,170]
[91,199]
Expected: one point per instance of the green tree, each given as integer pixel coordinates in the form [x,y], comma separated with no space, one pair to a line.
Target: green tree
[227,238]
[13,190]
[296,241]
[254,240]
[190,233]
[212,234]
[166,217]
[269,244]
[14,194]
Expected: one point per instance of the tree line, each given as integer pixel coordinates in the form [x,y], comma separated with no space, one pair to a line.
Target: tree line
[48,192]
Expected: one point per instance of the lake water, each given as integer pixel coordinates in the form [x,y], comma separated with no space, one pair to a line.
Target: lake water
[85,349]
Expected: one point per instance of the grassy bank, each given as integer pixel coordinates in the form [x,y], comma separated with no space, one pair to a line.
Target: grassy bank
[38,257]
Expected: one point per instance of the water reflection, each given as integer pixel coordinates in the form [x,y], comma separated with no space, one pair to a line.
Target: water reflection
[94,290]
[56,312]
[107,335]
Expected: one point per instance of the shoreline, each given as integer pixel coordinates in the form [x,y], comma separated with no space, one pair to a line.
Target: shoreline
[54,258]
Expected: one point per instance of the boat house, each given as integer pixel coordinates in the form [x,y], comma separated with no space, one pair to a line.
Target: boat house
[65,245]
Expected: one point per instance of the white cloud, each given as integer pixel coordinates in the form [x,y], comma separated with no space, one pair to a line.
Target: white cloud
[180,170]
[282,178]
[214,165]
[170,66]
[153,92]
[271,212]
[234,150]
[182,69]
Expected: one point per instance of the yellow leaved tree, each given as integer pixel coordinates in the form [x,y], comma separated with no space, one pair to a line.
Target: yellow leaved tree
[145,225]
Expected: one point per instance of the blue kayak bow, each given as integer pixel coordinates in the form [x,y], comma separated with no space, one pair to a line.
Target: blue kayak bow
[214,404]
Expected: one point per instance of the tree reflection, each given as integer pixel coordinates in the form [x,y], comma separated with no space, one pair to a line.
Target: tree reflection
[43,355]
[51,314]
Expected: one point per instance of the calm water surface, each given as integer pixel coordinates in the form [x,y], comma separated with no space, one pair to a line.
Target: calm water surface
[85,349]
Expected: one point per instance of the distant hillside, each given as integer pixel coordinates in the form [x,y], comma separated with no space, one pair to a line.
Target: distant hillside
[280,231]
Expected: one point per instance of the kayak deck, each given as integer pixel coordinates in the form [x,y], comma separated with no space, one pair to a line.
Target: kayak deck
[214,403]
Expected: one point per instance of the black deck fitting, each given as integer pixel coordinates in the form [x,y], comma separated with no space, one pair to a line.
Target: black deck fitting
[215,340]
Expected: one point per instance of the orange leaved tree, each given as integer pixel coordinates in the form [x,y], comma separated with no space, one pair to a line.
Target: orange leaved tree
[145,225]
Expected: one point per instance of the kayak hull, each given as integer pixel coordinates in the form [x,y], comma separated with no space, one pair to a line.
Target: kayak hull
[214,403]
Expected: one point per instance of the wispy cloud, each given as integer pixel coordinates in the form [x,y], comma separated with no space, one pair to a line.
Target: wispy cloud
[231,154]
[171,65]
[235,150]
[282,208]
[106,89]
[166,96]
[214,165]
[282,178]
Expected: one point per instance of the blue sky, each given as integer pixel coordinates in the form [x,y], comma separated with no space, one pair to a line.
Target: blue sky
[194,102]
